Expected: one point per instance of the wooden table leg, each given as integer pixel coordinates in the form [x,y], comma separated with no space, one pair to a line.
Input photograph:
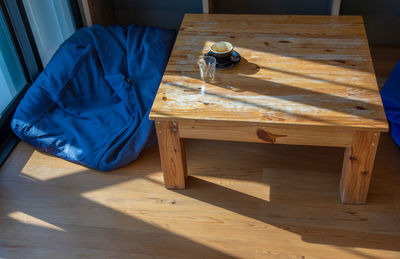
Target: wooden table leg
[357,167]
[172,153]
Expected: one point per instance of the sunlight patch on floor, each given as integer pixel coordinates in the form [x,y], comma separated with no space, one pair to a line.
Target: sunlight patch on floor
[31,220]
[149,201]
[260,190]
[41,174]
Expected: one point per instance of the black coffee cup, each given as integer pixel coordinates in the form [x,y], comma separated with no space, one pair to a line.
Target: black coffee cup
[222,51]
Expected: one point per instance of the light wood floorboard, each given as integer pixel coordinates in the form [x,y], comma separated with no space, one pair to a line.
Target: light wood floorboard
[243,200]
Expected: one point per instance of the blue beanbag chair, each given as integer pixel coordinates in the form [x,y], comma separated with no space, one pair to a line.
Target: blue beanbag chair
[391,101]
[91,103]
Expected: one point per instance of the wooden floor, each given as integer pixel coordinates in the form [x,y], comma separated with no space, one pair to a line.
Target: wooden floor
[243,200]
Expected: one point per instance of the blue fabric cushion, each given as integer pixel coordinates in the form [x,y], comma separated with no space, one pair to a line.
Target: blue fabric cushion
[91,103]
[391,101]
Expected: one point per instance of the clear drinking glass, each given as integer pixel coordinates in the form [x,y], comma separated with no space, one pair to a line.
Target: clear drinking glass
[207,68]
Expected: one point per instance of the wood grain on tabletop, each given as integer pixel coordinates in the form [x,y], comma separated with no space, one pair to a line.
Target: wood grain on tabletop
[295,70]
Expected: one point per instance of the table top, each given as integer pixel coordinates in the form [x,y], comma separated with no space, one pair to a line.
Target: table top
[295,70]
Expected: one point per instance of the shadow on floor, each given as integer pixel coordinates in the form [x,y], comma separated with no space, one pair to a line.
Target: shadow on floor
[303,199]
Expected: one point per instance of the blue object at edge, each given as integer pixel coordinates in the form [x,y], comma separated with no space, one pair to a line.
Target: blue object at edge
[391,101]
[91,103]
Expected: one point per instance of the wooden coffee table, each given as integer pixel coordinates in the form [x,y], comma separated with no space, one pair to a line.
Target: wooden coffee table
[302,80]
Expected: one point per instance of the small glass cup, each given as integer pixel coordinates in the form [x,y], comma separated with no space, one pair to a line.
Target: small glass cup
[207,68]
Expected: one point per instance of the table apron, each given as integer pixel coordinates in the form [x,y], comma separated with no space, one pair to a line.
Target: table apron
[334,137]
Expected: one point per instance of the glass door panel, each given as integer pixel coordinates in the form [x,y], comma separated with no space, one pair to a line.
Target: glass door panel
[12,77]
[51,23]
